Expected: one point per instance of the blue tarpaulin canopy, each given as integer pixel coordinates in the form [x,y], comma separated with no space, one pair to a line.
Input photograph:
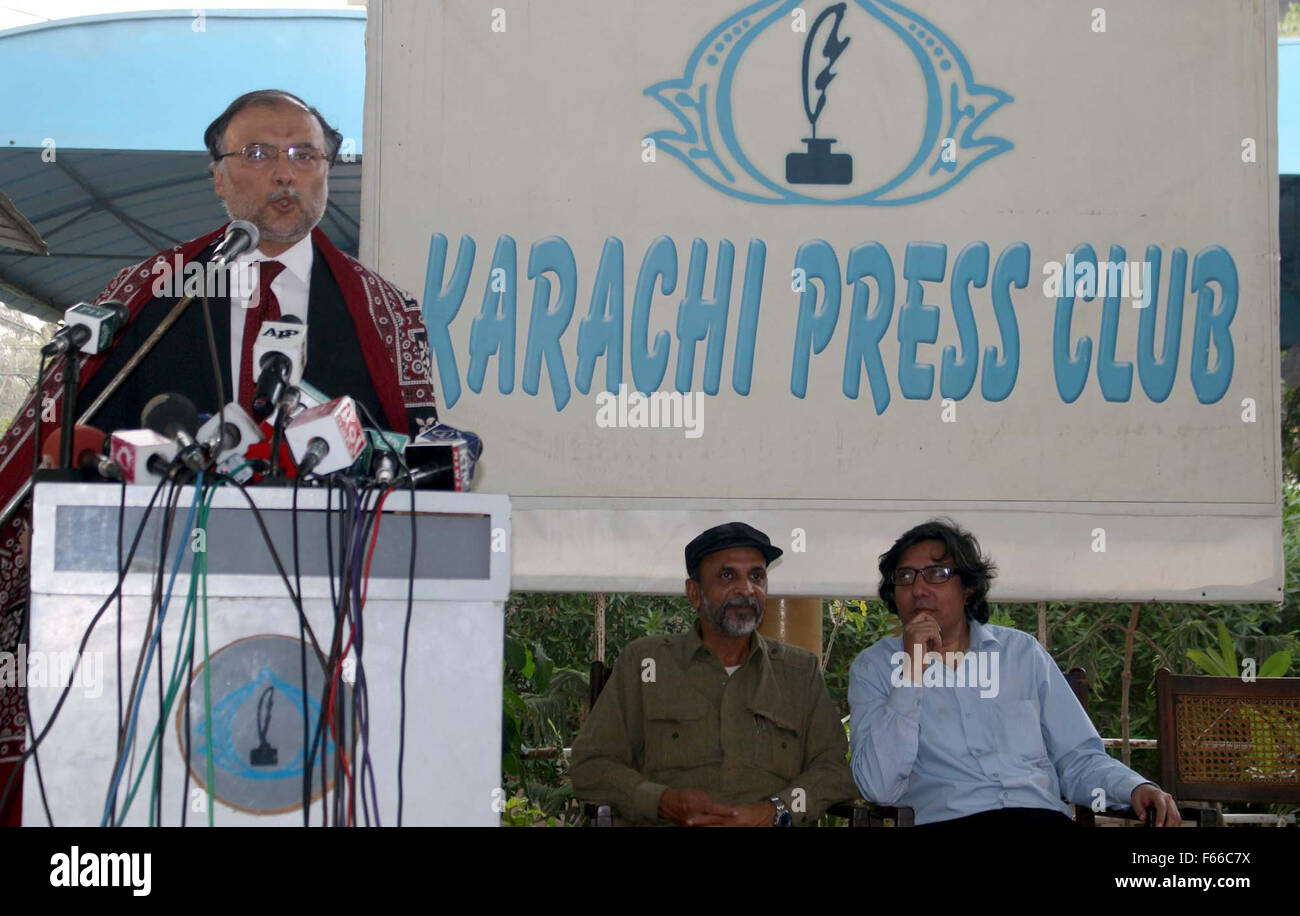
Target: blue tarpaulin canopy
[101,131]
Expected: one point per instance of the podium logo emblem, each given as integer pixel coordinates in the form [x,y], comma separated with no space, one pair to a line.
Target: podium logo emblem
[735,122]
[254,733]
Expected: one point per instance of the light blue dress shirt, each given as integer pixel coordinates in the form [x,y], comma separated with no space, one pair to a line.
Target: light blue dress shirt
[1004,730]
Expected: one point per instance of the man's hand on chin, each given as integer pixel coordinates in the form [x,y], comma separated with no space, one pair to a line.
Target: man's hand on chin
[1150,796]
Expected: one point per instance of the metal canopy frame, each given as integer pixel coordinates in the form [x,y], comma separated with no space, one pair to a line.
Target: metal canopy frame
[101,210]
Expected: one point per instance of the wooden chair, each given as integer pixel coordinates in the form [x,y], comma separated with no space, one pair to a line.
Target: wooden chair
[1084,816]
[1225,740]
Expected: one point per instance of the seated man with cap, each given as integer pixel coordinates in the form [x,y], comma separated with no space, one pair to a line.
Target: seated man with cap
[717,726]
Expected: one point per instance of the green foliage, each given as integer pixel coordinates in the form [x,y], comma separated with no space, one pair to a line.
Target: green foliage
[1290,410]
[551,640]
[1222,661]
[520,813]
[1288,25]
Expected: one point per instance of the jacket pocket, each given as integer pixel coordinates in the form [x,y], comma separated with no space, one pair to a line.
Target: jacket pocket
[677,735]
[777,743]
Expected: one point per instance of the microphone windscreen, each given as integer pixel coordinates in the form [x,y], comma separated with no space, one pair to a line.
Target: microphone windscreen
[84,439]
[169,414]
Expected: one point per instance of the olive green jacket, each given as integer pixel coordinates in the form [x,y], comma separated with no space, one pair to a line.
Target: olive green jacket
[671,716]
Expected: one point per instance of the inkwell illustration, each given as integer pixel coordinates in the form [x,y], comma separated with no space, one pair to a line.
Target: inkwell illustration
[264,755]
[819,165]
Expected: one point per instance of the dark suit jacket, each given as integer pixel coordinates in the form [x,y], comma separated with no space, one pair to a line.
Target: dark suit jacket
[182,363]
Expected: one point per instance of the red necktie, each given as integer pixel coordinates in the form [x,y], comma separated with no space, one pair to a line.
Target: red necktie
[265,307]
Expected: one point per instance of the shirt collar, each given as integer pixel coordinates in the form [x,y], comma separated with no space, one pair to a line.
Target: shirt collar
[297,259]
[981,635]
[695,645]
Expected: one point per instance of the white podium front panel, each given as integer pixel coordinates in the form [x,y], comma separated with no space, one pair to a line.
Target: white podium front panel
[452,754]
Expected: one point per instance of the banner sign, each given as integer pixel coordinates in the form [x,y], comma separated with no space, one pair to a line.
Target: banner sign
[837,267]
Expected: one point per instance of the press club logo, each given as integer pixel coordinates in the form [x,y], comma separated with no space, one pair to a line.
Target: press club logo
[844,41]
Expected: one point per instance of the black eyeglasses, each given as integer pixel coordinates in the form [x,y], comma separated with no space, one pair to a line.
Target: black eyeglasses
[935,575]
[259,154]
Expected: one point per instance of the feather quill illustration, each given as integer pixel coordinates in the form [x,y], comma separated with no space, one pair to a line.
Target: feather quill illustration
[833,48]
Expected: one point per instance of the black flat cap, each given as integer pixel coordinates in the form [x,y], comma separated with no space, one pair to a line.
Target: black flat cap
[721,537]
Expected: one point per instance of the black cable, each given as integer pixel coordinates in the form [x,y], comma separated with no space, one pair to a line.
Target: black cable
[90,628]
[189,684]
[121,726]
[212,354]
[275,556]
[154,607]
[326,666]
[40,396]
[302,659]
[401,460]
[406,641]
[149,637]
[24,641]
[23,629]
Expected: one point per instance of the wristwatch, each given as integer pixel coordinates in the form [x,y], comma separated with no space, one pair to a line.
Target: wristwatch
[782,817]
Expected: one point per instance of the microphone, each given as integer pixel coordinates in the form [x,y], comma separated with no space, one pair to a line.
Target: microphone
[175,417]
[231,439]
[442,458]
[379,458]
[87,452]
[241,236]
[90,328]
[142,454]
[280,353]
[327,438]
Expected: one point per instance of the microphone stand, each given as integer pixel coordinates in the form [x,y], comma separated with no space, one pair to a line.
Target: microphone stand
[71,374]
[70,399]
[288,401]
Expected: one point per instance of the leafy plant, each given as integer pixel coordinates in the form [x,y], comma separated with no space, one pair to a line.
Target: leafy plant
[1221,661]
[1288,25]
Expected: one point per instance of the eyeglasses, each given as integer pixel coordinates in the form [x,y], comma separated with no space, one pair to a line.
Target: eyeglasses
[906,575]
[259,154]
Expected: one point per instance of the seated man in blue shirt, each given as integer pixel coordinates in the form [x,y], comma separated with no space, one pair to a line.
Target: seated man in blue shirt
[970,723]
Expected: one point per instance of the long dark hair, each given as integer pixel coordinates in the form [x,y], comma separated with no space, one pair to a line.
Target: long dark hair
[963,554]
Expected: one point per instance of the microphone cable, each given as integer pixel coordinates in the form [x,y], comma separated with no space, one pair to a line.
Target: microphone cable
[160,605]
[63,696]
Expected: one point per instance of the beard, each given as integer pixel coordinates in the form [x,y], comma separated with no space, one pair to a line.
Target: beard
[731,618]
[257,212]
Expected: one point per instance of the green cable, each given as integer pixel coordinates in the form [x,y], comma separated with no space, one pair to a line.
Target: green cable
[173,684]
[207,668]
[190,617]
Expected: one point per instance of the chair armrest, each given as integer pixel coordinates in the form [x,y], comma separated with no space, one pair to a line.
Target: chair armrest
[869,814]
[1200,815]
[598,814]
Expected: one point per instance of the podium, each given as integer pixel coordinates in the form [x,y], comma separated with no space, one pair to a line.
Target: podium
[247,700]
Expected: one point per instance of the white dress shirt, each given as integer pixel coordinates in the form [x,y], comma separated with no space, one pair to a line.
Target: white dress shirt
[292,288]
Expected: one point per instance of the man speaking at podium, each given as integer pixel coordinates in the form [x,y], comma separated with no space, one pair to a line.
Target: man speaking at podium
[271,155]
